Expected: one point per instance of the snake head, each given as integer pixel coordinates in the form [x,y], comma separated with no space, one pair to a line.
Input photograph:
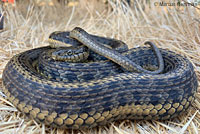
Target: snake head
[62,39]
[59,35]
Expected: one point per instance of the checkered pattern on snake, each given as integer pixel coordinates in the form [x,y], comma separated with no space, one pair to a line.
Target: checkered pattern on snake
[97,92]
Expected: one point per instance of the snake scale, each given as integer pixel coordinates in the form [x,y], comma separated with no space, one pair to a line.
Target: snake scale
[98,91]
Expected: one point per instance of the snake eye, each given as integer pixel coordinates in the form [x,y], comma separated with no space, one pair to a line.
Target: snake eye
[70,52]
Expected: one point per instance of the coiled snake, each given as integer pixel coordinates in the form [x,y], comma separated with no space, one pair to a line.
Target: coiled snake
[98,91]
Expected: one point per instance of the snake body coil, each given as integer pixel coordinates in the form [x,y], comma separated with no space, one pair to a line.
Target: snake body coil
[99,91]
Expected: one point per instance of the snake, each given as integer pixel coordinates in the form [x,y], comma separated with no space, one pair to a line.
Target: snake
[109,84]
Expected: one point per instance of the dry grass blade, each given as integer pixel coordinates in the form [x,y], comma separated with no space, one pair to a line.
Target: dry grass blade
[28,26]
[182,131]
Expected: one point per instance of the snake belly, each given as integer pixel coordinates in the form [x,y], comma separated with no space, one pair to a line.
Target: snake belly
[86,104]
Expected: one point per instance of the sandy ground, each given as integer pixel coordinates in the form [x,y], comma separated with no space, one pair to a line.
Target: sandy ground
[176,28]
